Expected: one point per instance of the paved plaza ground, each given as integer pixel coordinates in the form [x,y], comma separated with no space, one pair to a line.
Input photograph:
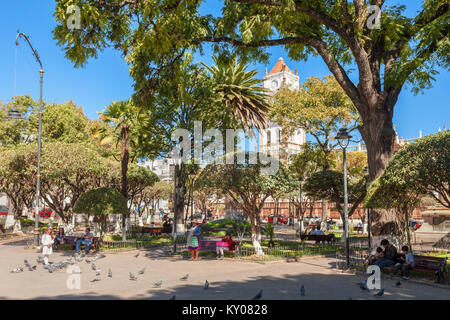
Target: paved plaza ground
[228,279]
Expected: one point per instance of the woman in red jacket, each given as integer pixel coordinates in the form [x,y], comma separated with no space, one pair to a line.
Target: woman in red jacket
[224,245]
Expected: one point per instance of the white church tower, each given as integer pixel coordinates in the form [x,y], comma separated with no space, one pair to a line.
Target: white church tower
[272,138]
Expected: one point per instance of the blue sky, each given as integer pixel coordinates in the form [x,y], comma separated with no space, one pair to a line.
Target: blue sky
[107,79]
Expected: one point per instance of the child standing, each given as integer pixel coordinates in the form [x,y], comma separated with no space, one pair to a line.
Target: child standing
[47,244]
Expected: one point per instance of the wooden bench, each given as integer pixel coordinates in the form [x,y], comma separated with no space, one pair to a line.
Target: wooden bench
[152,230]
[167,228]
[428,264]
[211,245]
[71,241]
[329,238]
[358,229]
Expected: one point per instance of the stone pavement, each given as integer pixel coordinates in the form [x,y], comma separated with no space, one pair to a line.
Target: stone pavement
[228,279]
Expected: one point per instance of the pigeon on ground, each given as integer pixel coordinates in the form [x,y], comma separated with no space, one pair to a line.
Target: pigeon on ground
[97,272]
[141,271]
[96,279]
[148,254]
[26,262]
[109,273]
[173,297]
[185,277]
[137,255]
[17,270]
[379,293]
[206,286]
[398,284]
[132,277]
[94,267]
[98,256]
[258,296]
[40,259]
[363,285]
[88,261]
[302,290]
[33,268]
[158,284]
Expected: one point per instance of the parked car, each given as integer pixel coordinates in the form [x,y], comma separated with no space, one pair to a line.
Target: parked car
[270,219]
[415,224]
[282,219]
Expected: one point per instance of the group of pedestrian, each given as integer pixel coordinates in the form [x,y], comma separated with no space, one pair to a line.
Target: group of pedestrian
[194,243]
[50,241]
[387,256]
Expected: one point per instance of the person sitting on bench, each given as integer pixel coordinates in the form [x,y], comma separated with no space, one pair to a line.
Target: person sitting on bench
[60,238]
[86,239]
[390,255]
[374,257]
[406,265]
[224,245]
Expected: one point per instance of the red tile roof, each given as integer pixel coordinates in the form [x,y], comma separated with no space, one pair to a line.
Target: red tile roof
[279,67]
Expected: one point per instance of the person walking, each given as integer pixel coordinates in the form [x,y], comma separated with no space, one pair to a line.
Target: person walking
[194,240]
[47,244]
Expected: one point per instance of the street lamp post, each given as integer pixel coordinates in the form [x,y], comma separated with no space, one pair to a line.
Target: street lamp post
[300,211]
[38,175]
[343,138]
[366,171]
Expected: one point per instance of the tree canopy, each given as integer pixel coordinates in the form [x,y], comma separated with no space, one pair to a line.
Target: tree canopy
[101,201]
[418,169]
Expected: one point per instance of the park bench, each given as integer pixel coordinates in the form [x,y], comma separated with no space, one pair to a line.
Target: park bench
[210,245]
[329,238]
[428,264]
[167,228]
[71,241]
[152,230]
[358,229]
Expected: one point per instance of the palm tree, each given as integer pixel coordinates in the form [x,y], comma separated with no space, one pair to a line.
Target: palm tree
[240,91]
[123,116]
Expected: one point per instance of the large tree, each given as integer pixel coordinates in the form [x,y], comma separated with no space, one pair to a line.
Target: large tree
[17,178]
[248,188]
[401,51]
[321,107]
[154,35]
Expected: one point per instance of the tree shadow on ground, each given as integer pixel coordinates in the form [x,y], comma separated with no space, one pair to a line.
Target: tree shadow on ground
[280,287]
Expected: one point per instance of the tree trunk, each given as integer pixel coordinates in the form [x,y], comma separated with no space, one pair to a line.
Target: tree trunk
[179,195]
[324,210]
[256,234]
[379,135]
[125,158]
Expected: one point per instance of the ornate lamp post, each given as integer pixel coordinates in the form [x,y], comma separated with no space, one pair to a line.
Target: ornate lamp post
[343,138]
[38,175]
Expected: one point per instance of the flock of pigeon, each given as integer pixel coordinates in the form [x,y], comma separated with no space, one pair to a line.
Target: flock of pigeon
[79,258]
[363,287]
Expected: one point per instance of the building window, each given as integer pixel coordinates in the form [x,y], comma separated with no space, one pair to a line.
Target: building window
[268,137]
[279,135]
